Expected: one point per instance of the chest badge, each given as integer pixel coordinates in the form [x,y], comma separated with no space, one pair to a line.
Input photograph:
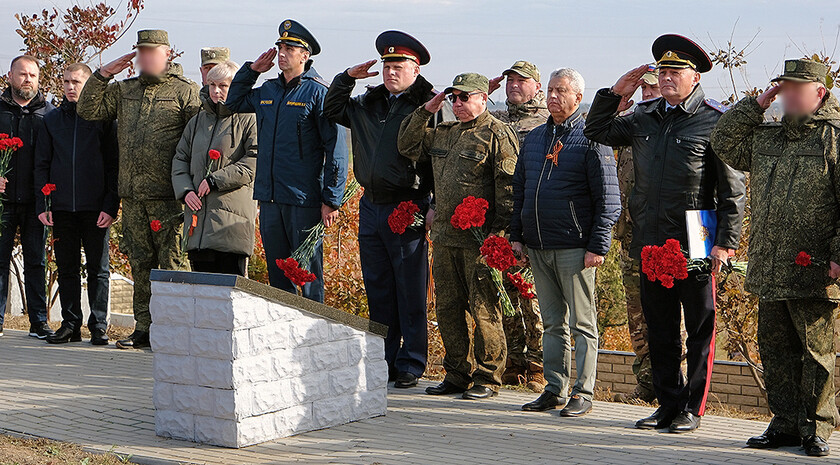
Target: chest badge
[555,152]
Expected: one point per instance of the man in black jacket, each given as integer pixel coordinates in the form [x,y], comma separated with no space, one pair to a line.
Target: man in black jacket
[395,267]
[675,170]
[80,158]
[22,109]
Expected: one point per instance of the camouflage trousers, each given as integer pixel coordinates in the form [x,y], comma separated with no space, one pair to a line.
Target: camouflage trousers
[523,330]
[147,249]
[636,323]
[466,301]
[796,343]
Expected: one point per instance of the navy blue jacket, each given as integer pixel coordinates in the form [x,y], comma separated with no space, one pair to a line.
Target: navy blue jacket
[24,122]
[80,157]
[571,205]
[302,156]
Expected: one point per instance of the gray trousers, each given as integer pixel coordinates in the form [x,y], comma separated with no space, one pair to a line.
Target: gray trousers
[566,293]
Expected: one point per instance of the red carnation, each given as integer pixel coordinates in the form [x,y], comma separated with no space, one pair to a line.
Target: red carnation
[665,263]
[403,216]
[803,259]
[293,271]
[155,225]
[3,135]
[214,154]
[470,213]
[498,253]
[48,189]
[526,289]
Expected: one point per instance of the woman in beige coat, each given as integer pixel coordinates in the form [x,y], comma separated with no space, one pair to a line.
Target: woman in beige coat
[213,174]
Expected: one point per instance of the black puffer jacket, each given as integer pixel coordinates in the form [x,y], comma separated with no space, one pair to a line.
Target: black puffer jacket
[675,167]
[23,122]
[80,157]
[374,124]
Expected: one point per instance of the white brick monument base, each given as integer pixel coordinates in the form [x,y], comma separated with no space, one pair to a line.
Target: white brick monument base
[237,362]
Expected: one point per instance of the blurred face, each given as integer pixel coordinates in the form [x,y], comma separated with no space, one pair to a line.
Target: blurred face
[650,91]
[676,84]
[562,99]
[204,70]
[291,58]
[467,111]
[520,89]
[399,75]
[23,77]
[73,83]
[801,98]
[153,60]
[219,90]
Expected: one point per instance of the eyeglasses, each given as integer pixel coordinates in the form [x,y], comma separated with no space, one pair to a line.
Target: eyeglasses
[462,96]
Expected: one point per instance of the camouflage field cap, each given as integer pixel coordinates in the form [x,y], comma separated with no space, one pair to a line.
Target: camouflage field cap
[152,38]
[525,69]
[651,77]
[803,70]
[469,82]
[214,55]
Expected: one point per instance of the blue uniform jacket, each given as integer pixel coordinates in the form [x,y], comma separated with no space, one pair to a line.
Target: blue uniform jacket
[573,204]
[302,157]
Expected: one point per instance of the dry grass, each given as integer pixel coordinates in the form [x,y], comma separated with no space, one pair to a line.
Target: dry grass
[22,322]
[36,451]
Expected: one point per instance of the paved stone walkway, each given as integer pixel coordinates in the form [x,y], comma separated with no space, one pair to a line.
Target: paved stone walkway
[101,398]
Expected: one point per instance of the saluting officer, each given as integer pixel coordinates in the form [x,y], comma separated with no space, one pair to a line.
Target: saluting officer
[675,170]
[395,267]
[474,156]
[302,156]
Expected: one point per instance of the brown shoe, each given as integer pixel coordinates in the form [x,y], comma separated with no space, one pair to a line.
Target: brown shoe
[535,380]
[514,373]
[638,395]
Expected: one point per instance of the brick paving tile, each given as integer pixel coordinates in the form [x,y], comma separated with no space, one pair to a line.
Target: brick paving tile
[101,398]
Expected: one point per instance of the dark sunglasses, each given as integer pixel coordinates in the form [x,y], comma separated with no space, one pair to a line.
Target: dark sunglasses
[462,96]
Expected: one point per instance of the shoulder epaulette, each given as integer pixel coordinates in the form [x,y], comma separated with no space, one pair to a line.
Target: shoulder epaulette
[715,105]
[321,81]
[645,102]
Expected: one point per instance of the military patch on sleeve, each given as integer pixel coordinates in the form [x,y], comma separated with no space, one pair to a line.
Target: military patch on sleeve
[716,105]
[509,165]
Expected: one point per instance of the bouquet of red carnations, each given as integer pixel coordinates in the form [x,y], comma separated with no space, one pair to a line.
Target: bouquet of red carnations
[524,283]
[496,250]
[295,267]
[8,146]
[668,263]
[406,215]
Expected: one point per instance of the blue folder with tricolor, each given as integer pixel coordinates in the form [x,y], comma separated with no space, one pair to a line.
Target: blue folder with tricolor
[701,226]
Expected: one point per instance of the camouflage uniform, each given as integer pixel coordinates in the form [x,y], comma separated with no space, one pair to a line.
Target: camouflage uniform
[473,158]
[636,324]
[795,178]
[524,329]
[152,112]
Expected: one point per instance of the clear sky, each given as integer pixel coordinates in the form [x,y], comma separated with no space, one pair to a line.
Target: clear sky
[601,39]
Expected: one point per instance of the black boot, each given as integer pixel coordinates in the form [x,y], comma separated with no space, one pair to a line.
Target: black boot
[772,439]
[64,335]
[546,401]
[661,418]
[98,337]
[137,340]
[815,446]
[444,388]
[685,422]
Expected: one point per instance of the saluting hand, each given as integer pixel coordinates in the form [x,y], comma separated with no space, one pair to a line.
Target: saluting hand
[265,62]
[495,84]
[768,96]
[436,103]
[117,66]
[626,85]
[362,71]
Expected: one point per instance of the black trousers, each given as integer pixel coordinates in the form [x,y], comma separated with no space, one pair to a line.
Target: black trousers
[73,231]
[395,268]
[213,261]
[662,309]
